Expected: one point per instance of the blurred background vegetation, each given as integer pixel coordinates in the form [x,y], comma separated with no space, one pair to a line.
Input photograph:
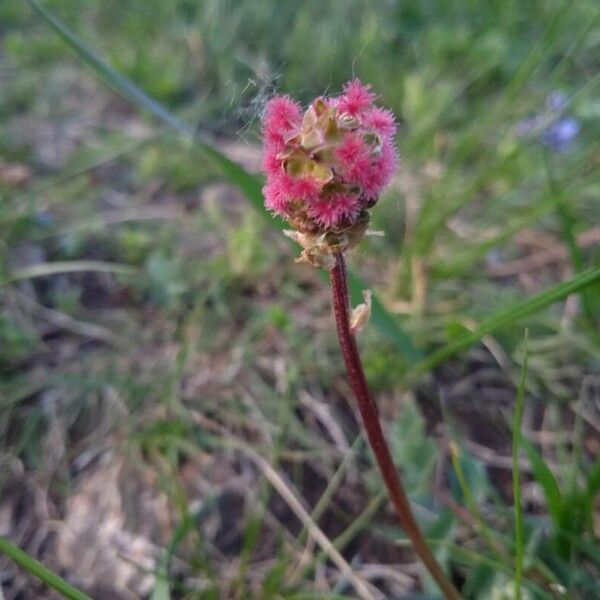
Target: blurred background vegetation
[170,380]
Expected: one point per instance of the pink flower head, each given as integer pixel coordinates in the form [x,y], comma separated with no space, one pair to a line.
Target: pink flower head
[327,166]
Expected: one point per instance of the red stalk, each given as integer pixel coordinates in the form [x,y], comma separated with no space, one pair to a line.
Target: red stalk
[370,418]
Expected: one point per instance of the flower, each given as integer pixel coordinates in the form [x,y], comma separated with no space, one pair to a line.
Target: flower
[552,127]
[561,134]
[327,167]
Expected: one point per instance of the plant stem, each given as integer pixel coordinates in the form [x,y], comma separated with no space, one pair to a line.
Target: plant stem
[370,417]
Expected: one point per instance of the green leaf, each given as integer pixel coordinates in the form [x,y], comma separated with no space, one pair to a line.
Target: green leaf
[37,569]
[593,479]
[412,450]
[383,321]
[516,452]
[248,184]
[479,581]
[507,317]
[161,590]
[274,580]
[544,476]
[568,223]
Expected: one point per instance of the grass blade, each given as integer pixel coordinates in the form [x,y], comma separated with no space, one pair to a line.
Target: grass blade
[248,184]
[593,479]
[37,569]
[161,590]
[507,317]
[76,266]
[568,223]
[516,475]
[110,76]
[545,477]
[471,504]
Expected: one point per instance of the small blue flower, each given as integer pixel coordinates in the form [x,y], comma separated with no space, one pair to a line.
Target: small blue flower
[557,101]
[561,134]
[550,126]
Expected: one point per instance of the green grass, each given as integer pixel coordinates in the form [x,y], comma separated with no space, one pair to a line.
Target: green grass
[142,301]
[38,570]
[519,535]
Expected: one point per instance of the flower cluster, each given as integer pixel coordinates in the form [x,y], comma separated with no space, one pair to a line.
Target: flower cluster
[327,166]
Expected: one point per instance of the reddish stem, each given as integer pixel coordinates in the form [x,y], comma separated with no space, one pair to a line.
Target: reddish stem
[370,418]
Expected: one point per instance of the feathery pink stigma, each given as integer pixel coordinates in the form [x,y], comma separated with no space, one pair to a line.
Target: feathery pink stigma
[357,97]
[303,188]
[283,189]
[375,179]
[282,117]
[329,212]
[275,198]
[351,152]
[381,121]
[270,163]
